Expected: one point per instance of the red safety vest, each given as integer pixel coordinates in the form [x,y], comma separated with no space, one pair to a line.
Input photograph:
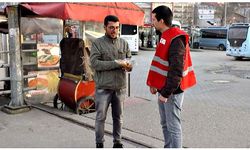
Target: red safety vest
[157,76]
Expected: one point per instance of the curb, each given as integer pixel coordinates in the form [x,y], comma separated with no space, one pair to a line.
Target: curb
[195,50]
[146,49]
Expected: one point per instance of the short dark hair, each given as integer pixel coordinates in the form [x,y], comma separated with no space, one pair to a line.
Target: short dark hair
[110,18]
[165,13]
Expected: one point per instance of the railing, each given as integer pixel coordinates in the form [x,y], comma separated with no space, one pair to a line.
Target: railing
[6,65]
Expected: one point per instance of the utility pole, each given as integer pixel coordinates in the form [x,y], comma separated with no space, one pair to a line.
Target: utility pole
[17,104]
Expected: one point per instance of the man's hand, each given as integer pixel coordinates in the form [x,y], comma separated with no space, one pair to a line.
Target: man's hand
[163,99]
[153,90]
[128,67]
[120,62]
[124,64]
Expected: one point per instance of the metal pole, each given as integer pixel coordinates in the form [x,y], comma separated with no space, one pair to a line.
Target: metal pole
[128,84]
[6,61]
[5,46]
[80,30]
[84,31]
[16,67]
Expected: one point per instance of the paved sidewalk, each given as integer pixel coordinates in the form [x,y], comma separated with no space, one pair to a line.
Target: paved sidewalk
[39,129]
[46,127]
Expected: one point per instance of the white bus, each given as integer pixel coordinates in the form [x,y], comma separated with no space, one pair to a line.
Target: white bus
[131,35]
[176,23]
[238,41]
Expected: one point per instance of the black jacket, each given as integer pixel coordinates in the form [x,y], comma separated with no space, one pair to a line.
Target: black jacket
[177,52]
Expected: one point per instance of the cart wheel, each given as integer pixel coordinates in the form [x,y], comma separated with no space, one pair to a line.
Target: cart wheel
[85,105]
[57,103]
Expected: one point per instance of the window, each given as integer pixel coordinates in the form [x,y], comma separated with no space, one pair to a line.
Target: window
[129,30]
[214,33]
[237,33]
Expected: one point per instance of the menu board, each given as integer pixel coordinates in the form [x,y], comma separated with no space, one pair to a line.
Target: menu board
[45,82]
[48,55]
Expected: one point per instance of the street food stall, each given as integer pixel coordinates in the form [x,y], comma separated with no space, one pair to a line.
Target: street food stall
[85,11]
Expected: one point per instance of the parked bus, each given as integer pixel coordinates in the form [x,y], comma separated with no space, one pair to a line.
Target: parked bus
[131,35]
[127,32]
[213,37]
[238,41]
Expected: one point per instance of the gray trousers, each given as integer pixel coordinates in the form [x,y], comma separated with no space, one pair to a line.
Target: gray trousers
[170,113]
[104,97]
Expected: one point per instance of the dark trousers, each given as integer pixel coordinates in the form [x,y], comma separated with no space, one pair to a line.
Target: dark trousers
[104,97]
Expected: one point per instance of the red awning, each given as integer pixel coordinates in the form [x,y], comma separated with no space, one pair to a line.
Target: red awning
[128,13]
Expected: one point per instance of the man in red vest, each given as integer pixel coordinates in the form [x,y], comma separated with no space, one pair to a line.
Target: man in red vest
[171,73]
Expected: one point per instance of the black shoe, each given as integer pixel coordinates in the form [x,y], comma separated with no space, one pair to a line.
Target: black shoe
[99,145]
[118,145]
